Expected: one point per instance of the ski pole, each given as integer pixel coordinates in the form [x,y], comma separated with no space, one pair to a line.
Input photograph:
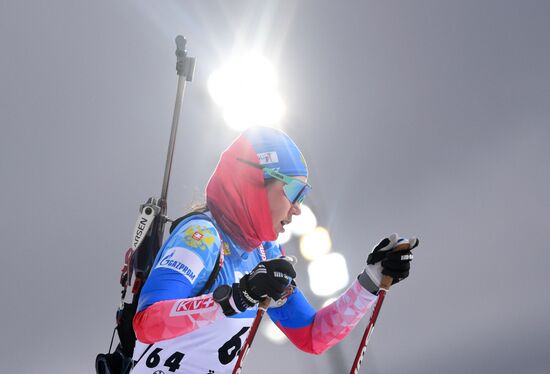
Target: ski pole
[262,308]
[385,285]
[253,329]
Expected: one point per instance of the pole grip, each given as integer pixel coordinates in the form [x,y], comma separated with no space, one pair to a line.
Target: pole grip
[386,279]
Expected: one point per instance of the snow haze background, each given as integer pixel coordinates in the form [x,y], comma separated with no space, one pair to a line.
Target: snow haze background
[429,118]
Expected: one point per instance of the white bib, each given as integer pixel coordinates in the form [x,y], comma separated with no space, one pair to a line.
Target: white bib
[211,349]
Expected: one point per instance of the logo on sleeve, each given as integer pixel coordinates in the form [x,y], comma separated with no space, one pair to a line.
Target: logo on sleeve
[199,237]
[192,306]
[183,261]
[226,250]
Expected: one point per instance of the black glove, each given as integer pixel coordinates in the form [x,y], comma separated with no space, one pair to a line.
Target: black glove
[383,260]
[268,279]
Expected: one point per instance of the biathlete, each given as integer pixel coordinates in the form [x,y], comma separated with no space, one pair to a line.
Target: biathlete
[254,192]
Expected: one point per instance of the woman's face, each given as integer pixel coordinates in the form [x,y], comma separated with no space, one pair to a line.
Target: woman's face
[281,208]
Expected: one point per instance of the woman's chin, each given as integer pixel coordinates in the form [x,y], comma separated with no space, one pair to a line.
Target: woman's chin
[278,229]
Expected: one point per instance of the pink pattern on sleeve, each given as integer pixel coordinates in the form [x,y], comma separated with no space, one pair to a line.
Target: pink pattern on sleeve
[333,322]
[170,318]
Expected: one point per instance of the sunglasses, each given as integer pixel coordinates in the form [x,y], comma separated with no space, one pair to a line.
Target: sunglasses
[295,189]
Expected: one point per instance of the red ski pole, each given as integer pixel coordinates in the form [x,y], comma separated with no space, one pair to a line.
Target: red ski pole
[259,314]
[253,329]
[384,287]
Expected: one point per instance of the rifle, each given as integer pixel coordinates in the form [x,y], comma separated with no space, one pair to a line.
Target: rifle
[147,239]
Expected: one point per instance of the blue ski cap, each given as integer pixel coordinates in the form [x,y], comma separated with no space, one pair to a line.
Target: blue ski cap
[276,150]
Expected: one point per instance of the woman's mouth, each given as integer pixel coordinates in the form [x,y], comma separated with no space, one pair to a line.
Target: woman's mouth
[284,223]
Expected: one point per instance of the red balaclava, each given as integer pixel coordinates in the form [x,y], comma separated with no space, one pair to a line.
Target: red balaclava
[235,193]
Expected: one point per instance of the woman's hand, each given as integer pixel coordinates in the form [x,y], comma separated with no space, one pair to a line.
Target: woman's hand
[384,260]
[269,278]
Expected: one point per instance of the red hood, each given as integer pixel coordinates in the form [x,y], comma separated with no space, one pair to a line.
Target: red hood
[237,198]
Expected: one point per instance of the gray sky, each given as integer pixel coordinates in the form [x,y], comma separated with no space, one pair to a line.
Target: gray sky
[428,118]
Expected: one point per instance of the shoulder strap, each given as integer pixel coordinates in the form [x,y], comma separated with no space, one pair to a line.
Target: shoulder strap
[219,261]
[176,222]
[214,273]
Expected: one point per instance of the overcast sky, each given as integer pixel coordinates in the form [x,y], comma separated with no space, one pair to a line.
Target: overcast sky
[428,118]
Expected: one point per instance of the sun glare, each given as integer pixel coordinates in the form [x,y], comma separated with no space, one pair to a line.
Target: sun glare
[246,91]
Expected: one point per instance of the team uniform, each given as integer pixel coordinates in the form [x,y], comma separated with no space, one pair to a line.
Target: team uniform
[179,331]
